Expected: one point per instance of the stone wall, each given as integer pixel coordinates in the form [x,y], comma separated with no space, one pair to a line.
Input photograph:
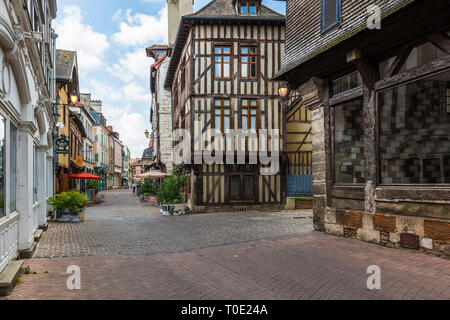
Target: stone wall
[391,230]
[164,101]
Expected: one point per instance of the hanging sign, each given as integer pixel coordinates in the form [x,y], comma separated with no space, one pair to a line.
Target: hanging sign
[79,161]
[62,145]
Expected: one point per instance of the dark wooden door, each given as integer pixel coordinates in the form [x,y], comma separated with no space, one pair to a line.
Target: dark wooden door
[242,182]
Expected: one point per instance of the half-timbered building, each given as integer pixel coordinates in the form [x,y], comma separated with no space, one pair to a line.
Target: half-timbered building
[376,77]
[220,74]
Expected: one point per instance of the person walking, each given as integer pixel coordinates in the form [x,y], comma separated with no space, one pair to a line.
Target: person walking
[134,187]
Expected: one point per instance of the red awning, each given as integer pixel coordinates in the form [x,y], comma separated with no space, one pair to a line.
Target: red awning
[85,176]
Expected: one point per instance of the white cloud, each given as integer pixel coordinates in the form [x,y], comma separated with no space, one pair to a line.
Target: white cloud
[140,29]
[104,91]
[74,35]
[132,127]
[135,64]
[134,92]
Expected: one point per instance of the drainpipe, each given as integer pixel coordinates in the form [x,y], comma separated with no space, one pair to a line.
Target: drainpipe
[55,92]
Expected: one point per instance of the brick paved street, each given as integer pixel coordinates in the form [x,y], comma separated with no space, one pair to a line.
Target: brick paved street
[185,258]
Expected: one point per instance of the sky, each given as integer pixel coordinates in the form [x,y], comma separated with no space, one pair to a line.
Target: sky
[110,37]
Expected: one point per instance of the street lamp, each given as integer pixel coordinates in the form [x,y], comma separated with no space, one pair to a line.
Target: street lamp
[147,134]
[283,90]
[74,98]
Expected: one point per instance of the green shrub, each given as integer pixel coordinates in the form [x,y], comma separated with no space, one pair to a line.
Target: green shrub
[59,201]
[171,188]
[147,186]
[71,200]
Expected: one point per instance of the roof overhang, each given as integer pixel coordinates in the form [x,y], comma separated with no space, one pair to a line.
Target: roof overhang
[324,61]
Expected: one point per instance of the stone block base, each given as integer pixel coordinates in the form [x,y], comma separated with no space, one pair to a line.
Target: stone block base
[237,208]
[8,277]
[389,230]
[28,254]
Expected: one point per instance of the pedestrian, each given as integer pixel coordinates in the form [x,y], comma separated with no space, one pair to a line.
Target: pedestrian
[134,187]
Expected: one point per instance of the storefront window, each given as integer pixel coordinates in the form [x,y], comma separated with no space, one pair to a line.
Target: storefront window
[414,129]
[421,55]
[349,142]
[346,83]
[35,179]
[13,168]
[2,165]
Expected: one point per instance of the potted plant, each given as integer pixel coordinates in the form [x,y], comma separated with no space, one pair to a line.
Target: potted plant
[60,203]
[170,196]
[69,206]
[77,204]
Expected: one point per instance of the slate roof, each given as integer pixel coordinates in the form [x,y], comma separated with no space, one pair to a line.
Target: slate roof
[96,116]
[148,154]
[304,38]
[65,62]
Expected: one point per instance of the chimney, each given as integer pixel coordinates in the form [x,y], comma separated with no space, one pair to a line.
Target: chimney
[176,9]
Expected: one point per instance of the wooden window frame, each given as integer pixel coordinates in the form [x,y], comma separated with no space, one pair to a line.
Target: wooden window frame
[338,16]
[222,115]
[247,2]
[249,108]
[222,62]
[248,63]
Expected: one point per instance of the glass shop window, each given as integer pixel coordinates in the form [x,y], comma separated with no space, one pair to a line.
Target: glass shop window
[414,132]
[349,142]
[35,175]
[421,55]
[2,165]
[13,168]
[346,83]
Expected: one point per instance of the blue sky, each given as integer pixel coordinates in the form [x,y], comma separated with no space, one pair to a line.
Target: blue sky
[110,37]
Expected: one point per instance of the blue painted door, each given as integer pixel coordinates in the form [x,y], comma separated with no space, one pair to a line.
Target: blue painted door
[299,185]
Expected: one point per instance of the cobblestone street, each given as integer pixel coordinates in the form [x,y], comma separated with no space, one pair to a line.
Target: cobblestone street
[128,251]
[122,225]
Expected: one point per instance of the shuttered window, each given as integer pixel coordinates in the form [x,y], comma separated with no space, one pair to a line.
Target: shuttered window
[331,13]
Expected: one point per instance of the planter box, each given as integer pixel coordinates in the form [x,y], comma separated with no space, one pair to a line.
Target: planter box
[177,209]
[82,215]
[70,217]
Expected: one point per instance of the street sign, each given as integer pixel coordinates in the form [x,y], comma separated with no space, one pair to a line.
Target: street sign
[62,145]
[79,161]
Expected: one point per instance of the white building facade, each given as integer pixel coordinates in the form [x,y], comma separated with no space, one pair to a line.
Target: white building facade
[27,94]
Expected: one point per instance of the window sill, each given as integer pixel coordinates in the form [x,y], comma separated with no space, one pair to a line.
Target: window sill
[413,192]
[354,191]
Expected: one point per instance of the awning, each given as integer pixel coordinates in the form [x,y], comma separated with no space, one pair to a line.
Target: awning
[85,176]
[153,175]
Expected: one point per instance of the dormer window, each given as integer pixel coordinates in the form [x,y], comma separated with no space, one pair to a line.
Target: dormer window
[248,7]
